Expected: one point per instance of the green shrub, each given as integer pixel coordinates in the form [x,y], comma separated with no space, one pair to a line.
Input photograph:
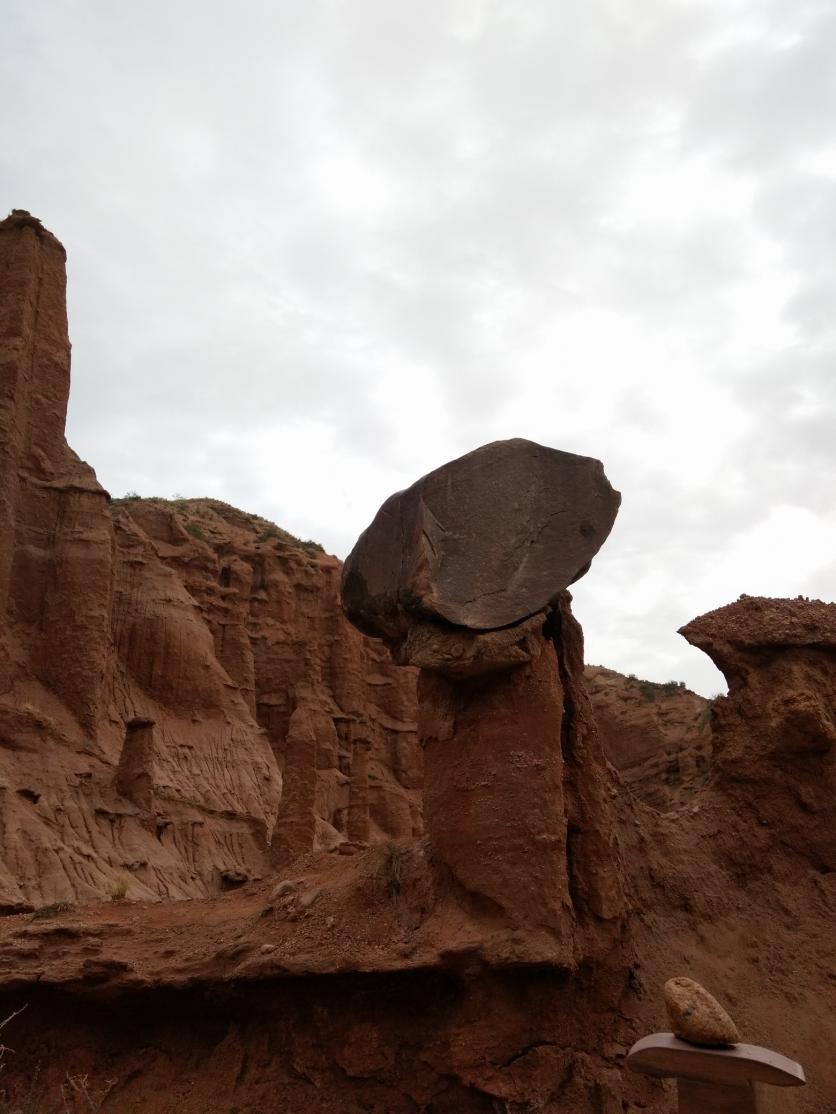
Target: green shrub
[269,531]
[119,890]
[648,691]
[196,531]
[392,863]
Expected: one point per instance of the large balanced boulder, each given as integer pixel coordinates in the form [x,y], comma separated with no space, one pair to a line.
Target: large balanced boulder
[483,542]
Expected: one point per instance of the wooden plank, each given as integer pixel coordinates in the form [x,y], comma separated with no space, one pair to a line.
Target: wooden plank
[664,1054]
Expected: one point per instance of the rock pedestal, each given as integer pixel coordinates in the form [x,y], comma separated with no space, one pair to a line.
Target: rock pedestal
[464,576]
[493,785]
[714,1080]
[774,735]
[135,772]
[295,831]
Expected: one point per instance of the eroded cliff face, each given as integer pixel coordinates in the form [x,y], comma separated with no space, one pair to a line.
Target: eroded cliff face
[270,607]
[204,625]
[504,961]
[775,733]
[658,736]
[208,626]
[376,982]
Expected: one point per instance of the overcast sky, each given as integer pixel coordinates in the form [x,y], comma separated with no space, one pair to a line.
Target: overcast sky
[318,248]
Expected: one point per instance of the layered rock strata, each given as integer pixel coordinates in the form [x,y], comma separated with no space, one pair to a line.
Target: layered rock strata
[152,655]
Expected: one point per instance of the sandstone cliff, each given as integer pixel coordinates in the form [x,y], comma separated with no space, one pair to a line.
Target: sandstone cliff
[163,665]
[366,983]
[658,736]
[775,733]
[151,655]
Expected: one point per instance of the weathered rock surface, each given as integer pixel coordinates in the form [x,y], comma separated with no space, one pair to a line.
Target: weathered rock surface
[207,625]
[775,733]
[493,793]
[696,1016]
[373,981]
[517,792]
[658,736]
[454,652]
[482,542]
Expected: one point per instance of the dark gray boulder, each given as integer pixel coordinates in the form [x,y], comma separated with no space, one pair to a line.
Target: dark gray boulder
[482,542]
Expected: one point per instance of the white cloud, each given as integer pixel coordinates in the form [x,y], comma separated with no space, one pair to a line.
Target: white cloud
[316,250]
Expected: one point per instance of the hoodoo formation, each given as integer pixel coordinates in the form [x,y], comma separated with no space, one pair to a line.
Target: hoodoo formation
[465,575]
[255,856]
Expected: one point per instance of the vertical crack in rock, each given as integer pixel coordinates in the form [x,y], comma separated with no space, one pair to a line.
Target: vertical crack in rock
[596,867]
[568,730]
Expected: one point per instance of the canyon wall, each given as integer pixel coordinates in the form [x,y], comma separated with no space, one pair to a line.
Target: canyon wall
[203,624]
[210,626]
[658,736]
[166,666]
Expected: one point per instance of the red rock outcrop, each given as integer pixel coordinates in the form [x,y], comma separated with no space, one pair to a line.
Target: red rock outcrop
[271,607]
[484,541]
[407,975]
[658,736]
[207,625]
[56,540]
[517,792]
[775,733]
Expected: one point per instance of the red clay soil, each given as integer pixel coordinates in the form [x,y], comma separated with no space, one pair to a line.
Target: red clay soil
[456,970]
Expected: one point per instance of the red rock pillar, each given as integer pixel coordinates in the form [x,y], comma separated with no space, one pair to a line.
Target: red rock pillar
[458,574]
[296,824]
[56,535]
[493,793]
[594,858]
[232,637]
[34,363]
[357,828]
[135,772]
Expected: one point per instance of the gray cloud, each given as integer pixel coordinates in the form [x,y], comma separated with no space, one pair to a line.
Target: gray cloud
[315,250]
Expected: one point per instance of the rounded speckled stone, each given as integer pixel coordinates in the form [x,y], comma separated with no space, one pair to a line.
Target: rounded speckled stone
[697,1017]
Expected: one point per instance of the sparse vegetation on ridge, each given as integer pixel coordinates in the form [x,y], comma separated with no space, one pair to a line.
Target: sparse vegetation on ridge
[203,507]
